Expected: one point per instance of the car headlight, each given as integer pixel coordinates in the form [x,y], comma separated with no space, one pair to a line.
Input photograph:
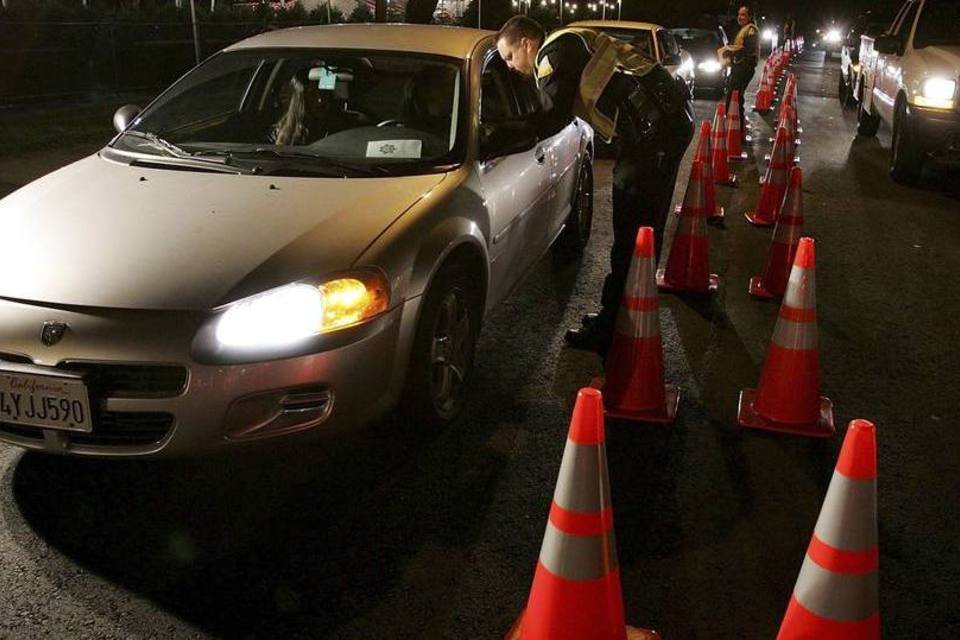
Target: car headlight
[298,311]
[768,34]
[709,66]
[833,36]
[686,67]
[937,93]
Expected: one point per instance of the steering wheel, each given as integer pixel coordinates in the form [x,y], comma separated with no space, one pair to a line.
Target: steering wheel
[391,123]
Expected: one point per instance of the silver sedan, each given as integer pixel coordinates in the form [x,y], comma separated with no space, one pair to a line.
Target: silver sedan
[298,236]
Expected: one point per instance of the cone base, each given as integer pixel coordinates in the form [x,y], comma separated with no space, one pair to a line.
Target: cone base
[748,418]
[756,220]
[657,416]
[718,214]
[633,633]
[664,285]
[731,181]
[757,289]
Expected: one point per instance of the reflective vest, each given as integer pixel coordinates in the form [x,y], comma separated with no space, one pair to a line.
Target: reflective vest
[608,56]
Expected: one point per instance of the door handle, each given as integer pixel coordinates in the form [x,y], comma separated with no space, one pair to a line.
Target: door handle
[540,155]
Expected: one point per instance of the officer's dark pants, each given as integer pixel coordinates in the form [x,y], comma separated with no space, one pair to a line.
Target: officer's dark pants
[740,77]
[642,193]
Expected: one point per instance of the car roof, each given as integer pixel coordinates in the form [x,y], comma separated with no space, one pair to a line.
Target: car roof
[456,42]
[615,24]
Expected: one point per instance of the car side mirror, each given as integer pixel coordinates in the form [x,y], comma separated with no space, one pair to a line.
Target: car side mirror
[506,138]
[124,116]
[886,44]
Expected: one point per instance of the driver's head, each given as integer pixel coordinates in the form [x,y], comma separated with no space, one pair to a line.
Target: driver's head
[433,90]
[744,15]
[518,42]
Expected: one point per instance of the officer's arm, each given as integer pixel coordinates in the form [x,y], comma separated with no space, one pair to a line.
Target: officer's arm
[558,77]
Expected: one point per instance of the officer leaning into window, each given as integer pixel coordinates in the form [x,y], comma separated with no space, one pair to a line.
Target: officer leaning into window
[652,117]
[742,56]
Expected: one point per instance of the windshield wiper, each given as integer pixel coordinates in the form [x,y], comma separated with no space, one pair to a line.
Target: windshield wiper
[178,152]
[311,159]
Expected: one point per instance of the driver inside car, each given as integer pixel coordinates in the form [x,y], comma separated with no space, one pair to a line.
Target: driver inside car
[428,101]
[311,113]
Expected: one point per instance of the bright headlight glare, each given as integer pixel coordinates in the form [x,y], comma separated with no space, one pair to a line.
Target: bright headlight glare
[833,35]
[709,66]
[768,34]
[294,312]
[937,93]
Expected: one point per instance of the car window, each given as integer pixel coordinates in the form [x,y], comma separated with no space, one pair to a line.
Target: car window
[642,39]
[668,45]
[939,24]
[497,102]
[527,95]
[903,31]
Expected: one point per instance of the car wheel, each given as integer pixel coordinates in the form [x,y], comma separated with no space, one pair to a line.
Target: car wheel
[441,364]
[906,157]
[576,231]
[867,122]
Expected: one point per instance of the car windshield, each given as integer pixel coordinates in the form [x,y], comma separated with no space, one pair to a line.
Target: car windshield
[939,24]
[392,112]
[639,38]
[696,38]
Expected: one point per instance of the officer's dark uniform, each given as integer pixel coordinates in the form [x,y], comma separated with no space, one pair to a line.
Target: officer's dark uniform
[743,66]
[654,128]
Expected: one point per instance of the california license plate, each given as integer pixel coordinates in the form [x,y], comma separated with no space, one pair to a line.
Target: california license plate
[51,401]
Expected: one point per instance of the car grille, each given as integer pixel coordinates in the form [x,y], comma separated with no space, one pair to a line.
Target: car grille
[114,428]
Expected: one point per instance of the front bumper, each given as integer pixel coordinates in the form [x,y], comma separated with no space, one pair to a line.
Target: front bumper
[150,399]
[937,132]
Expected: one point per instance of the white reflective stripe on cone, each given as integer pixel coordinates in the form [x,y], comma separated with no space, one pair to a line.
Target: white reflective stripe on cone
[836,596]
[578,557]
[801,289]
[795,335]
[848,520]
[581,485]
[638,324]
[642,277]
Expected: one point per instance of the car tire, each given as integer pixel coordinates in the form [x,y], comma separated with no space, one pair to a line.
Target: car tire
[906,156]
[576,230]
[441,362]
[867,123]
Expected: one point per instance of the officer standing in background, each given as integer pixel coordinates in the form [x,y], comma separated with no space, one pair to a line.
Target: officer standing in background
[742,56]
[653,124]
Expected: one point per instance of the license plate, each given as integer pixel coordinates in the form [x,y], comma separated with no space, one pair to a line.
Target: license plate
[57,401]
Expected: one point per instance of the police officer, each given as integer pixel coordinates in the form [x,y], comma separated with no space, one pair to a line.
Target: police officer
[742,56]
[654,126]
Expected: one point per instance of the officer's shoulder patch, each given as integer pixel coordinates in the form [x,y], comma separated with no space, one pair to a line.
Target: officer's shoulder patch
[544,69]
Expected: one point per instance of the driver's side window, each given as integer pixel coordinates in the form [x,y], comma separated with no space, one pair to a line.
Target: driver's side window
[497,102]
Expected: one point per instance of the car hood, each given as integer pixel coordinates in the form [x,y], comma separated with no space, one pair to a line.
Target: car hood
[941,60]
[105,234]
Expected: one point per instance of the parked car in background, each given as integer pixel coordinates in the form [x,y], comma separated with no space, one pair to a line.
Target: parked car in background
[652,39]
[871,24]
[302,233]
[909,80]
[702,45]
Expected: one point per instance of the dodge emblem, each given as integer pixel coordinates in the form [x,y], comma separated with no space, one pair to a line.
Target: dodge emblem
[52,333]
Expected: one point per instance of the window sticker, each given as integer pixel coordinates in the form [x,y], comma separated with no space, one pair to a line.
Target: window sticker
[394,148]
[326,79]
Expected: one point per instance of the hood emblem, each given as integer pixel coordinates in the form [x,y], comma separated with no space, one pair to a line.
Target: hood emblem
[52,332]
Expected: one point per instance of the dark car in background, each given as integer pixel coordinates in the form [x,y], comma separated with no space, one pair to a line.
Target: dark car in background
[702,45]
[869,23]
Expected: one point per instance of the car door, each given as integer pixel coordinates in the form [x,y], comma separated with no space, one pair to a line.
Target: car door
[890,73]
[562,155]
[515,187]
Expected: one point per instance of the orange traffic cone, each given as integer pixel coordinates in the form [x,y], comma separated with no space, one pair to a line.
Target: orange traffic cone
[788,396]
[835,597]
[773,185]
[687,267]
[576,592]
[735,152]
[785,121]
[634,387]
[704,153]
[772,283]
[721,170]
[764,98]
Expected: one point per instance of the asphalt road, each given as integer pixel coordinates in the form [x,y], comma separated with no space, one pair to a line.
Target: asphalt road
[403,534]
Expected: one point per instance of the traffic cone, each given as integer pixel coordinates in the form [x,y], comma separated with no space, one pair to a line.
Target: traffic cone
[634,387]
[836,594]
[735,152]
[704,153]
[687,269]
[773,185]
[788,396]
[721,170]
[772,282]
[764,99]
[576,592]
[785,121]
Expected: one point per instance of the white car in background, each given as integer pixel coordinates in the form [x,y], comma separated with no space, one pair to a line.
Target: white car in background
[652,39]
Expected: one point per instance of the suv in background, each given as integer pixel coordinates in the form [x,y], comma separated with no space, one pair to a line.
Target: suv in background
[909,79]
[702,45]
[871,24]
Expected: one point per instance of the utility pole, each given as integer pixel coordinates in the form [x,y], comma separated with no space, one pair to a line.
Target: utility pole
[196,30]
